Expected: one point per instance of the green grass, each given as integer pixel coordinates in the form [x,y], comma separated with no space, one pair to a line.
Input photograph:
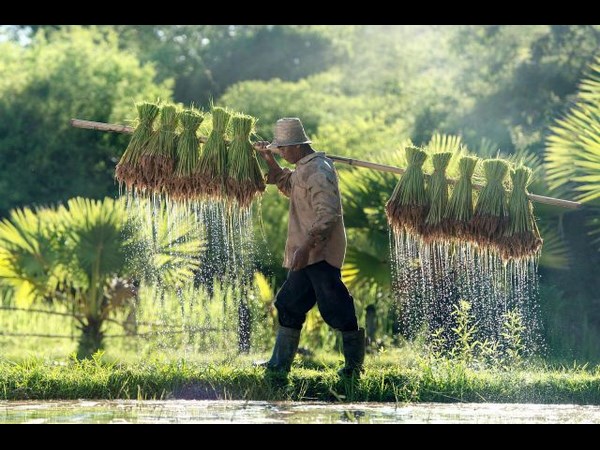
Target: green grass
[410,379]
[206,365]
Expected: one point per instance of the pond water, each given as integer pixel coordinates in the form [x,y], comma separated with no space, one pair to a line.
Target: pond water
[226,411]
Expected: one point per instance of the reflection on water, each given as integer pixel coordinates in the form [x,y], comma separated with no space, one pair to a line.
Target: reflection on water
[202,411]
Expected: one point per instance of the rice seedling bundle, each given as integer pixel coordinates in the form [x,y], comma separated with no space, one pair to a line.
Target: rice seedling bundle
[522,237]
[245,180]
[212,166]
[183,185]
[408,205]
[460,206]
[490,214]
[158,161]
[438,197]
[127,171]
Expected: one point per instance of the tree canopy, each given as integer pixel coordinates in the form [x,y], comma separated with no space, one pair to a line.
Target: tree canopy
[361,91]
[72,72]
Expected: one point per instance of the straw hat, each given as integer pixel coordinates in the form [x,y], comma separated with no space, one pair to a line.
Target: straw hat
[289,131]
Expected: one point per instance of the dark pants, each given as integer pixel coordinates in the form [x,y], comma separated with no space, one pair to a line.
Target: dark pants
[319,283]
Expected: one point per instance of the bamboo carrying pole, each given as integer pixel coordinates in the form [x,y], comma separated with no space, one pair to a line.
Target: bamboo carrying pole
[101,126]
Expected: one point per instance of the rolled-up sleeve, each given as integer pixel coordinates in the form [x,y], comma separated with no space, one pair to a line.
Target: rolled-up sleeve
[326,203]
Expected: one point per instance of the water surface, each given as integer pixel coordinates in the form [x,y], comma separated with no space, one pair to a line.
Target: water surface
[225,411]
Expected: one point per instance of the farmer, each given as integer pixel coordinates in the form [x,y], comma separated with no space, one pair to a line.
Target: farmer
[315,248]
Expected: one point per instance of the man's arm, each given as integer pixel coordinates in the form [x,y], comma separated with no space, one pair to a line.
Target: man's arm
[277,176]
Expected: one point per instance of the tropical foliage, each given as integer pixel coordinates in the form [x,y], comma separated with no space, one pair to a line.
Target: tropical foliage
[362,91]
[70,73]
[92,255]
[573,156]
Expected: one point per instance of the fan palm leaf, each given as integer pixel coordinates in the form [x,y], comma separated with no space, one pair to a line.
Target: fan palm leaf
[28,253]
[85,253]
[443,143]
[573,148]
[365,194]
[95,232]
[555,253]
[171,243]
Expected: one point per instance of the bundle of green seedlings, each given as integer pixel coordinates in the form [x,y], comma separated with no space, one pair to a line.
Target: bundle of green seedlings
[438,196]
[459,212]
[245,180]
[522,236]
[490,215]
[127,171]
[158,160]
[185,183]
[408,206]
[212,165]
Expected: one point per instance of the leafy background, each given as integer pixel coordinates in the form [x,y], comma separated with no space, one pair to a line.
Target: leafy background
[529,92]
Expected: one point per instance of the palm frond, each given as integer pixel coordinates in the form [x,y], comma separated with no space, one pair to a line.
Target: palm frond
[488,148]
[365,194]
[593,223]
[94,234]
[29,254]
[573,148]
[165,248]
[555,252]
[365,268]
[442,143]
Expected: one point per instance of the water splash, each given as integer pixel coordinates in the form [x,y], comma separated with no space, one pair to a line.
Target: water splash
[428,280]
[225,258]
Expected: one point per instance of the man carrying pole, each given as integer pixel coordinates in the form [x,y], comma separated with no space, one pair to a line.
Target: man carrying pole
[315,248]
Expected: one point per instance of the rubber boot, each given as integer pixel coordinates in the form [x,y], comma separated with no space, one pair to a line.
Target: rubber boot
[354,352]
[286,345]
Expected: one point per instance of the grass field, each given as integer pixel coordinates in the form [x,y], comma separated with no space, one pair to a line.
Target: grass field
[194,364]
[395,376]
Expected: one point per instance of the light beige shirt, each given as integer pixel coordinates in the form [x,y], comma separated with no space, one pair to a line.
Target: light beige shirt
[315,210]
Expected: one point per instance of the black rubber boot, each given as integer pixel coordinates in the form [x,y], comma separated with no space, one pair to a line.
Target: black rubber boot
[354,352]
[286,345]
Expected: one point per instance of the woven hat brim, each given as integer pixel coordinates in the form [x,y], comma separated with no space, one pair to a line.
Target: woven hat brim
[273,145]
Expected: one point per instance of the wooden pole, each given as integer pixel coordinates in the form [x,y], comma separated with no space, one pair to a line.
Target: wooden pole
[399,170]
[101,126]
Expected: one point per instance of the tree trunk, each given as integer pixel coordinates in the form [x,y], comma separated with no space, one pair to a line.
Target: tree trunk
[91,339]
[371,324]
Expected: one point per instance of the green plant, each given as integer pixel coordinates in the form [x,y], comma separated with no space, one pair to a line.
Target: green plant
[438,193]
[183,186]
[364,194]
[490,215]
[127,170]
[460,206]
[244,178]
[466,345]
[82,255]
[409,203]
[157,164]
[29,253]
[573,148]
[212,166]
[521,237]
[512,332]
